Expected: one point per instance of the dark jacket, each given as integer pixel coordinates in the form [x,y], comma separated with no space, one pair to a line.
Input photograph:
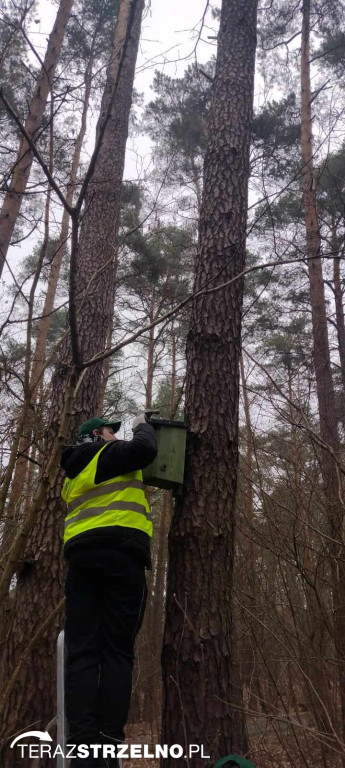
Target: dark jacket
[120,457]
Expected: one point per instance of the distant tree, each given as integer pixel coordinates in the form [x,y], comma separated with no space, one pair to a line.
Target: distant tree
[176,121]
[156,278]
[21,169]
[13,72]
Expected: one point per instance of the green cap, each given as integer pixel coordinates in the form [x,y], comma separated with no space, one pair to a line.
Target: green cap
[96,423]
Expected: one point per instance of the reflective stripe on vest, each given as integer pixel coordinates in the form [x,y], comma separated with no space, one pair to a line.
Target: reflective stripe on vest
[129,506]
[119,501]
[99,491]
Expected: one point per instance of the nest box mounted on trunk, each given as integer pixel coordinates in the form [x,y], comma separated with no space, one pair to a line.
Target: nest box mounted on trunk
[167,470]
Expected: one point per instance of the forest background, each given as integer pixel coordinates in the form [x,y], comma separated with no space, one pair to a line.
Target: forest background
[93,257]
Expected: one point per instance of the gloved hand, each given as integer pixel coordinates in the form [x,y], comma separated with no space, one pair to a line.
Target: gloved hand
[139,420]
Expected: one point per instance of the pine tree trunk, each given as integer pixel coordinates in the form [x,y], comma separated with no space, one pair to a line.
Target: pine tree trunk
[249,496]
[22,167]
[148,694]
[25,415]
[173,371]
[18,491]
[249,654]
[32,699]
[150,354]
[322,364]
[202,700]
[324,383]
[157,625]
[152,694]
[40,351]
[339,308]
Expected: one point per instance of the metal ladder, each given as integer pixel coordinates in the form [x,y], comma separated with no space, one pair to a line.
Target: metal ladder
[60,696]
[61,728]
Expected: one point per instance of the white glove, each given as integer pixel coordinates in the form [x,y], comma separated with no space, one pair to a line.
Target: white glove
[139,420]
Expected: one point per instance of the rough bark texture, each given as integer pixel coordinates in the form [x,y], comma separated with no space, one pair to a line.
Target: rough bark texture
[324,382]
[201,695]
[157,620]
[41,586]
[173,371]
[21,171]
[339,309]
[150,355]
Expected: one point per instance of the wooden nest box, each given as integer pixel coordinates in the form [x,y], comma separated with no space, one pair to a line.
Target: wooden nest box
[167,470]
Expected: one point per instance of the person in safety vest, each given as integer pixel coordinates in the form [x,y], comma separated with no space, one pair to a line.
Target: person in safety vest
[107,546]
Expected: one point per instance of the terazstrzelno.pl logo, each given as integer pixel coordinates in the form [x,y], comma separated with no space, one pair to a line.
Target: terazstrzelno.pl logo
[98,750]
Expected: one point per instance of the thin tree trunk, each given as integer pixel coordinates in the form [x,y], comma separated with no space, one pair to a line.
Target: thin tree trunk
[202,700]
[150,353]
[322,364]
[26,414]
[324,382]
[339,308]
[21,171]
[249,496]
[157,614]
[148,694]
[312,631]
[39,359]
[38,362]
[173,371]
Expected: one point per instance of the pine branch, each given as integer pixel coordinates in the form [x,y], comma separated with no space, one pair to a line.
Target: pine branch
[198,294]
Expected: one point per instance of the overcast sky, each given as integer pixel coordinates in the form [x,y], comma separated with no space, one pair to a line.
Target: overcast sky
[173,36]
[171,39]
[169,35]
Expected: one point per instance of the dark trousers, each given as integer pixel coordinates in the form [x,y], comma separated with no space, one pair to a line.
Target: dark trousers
[105,603]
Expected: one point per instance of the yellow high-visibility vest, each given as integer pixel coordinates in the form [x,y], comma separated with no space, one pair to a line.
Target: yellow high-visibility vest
[120,501]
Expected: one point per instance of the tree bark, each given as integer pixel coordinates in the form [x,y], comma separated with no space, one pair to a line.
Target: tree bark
[322,363]
[324,382]
[339,308]
[158,605]
[21,171]
[173,371]
[202,700]
[150,354]
[33,697]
